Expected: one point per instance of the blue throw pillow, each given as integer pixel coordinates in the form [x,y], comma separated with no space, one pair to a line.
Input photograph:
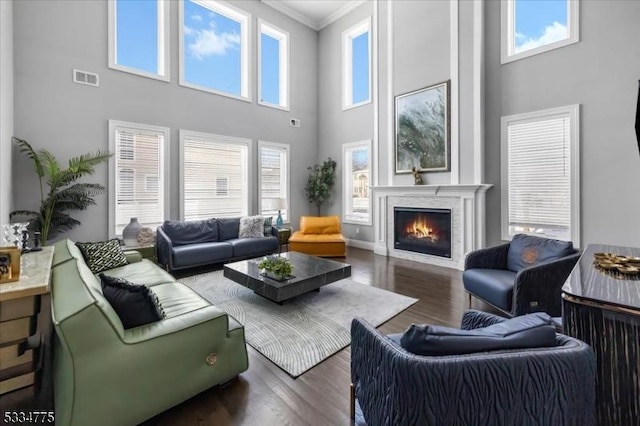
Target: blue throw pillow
[527,331]
[528,250]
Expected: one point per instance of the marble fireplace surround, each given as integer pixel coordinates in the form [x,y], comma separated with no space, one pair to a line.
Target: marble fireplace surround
[468,221]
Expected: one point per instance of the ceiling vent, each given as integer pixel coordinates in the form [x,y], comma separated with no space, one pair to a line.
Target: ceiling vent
[84,77]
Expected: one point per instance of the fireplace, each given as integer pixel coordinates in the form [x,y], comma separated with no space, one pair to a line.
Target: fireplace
[423,230]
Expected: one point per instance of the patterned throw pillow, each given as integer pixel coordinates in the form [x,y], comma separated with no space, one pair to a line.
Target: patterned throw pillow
[135,304]
[103,255]
[251,227]
[267,226]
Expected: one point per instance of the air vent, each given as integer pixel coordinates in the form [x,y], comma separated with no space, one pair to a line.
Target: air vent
[84,77]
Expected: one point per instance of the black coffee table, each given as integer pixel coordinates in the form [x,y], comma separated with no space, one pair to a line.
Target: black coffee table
[310,273]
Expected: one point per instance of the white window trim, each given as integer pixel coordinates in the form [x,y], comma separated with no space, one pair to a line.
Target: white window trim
[508,32]
[184,134]
[347,45]
[346,182]
[573,111]
[287,148]
[284,61]
[231,12]
[166,182]
[163,43]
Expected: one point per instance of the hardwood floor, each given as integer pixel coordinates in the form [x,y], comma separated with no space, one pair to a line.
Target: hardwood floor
[266,395]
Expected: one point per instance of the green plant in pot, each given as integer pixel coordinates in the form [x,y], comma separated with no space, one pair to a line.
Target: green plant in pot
[62,193]
[276,267]
[320,182]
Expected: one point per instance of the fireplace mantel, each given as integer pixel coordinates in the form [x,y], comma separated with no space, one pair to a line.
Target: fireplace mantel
[467,204]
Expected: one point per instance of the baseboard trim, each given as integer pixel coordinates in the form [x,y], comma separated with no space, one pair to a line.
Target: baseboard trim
[366,245]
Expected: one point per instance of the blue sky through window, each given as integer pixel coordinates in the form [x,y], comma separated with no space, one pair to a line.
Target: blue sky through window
[270,69]
[360,68]
[137,34]
[211,49]
[539,22]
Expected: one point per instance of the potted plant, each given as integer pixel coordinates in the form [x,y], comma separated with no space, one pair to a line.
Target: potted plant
[320,182]
[63,193]
[276,267]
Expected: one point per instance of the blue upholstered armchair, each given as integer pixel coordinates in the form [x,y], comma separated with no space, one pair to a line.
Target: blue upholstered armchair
[520,277]
[542,386]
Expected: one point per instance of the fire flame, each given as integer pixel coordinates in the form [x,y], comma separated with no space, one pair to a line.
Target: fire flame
[420,228]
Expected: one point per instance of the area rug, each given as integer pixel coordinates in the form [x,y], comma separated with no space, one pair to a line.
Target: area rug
[303,331]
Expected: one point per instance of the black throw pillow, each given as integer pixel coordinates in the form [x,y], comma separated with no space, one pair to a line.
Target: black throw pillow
[103,255]
[135,304]
[527,331]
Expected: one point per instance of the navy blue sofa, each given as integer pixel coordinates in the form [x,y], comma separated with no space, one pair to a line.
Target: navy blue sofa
[536,386]
[182,245]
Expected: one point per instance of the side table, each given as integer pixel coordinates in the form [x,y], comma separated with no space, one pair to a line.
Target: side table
[283,238]
[22,335]
[147,252]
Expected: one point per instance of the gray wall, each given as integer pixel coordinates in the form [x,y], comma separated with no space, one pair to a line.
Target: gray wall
[338,127]
[601,74]
[6,107]
[70,119]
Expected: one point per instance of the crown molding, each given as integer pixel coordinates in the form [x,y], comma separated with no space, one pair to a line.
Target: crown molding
[316,25]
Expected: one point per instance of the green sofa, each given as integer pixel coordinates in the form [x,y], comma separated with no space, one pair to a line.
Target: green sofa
[106,375]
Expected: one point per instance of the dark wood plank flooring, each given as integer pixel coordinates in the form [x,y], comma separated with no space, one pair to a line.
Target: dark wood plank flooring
[266,395]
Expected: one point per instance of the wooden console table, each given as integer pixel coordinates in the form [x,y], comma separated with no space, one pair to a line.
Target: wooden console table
[21,333]
[603,309]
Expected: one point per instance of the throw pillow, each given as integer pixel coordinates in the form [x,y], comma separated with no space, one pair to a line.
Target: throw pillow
[191,232]
[135,304]
[267,226]
[251,227]
[103,255]
[528,250]
[527,331]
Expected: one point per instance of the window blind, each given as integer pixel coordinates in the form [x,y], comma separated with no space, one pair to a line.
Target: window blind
[215,178]
[539,170]
[273,180]
[139,159]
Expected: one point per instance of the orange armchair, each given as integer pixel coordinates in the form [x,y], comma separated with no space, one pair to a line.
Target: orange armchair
[319,236]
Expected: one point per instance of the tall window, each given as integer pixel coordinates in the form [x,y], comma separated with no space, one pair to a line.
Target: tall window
[214,176]
[214,48]
[274,179]
[357,178]
[274,66]
[530,27]
[540,174]
[356,64]
[138,175]
[139,37]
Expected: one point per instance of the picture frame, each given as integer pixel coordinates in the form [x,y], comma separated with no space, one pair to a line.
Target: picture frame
[423,130]
[9,264]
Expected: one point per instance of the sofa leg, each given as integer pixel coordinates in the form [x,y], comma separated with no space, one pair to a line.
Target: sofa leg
[352,403]
[469,304]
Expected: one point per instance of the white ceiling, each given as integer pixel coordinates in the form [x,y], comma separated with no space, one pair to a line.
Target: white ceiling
[316,14]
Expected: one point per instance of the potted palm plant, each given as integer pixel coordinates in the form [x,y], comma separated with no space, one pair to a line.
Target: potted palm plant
[59,190]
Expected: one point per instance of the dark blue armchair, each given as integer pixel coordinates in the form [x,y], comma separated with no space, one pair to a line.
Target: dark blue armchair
[542,386]
[520,277]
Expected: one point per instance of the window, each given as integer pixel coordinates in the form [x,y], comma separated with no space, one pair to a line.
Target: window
[274,179]
[138,175]
[139,37]
[274,66]
[356,64]
[214,48]
[540,174]
[357,174]
[214,176]
[530,27]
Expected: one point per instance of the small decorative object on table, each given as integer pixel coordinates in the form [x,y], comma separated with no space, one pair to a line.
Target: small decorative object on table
[416,176]
[146,237]
[611,262]
[13,234]
[130,232]
[276,267]
[9,264]
[280,204]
